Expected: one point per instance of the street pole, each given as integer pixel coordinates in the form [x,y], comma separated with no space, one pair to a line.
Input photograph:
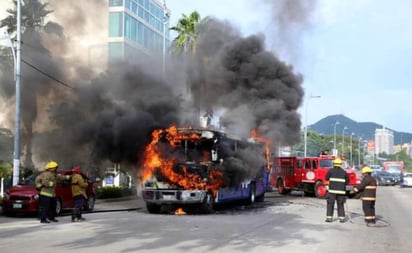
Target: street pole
[360,139]
[306,124]
[351,148]
[343,141]
[334,152]
[16,160]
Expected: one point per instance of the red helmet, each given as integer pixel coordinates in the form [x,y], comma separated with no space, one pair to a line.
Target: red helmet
[76,169]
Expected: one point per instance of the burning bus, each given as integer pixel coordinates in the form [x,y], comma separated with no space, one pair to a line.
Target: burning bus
[202,167]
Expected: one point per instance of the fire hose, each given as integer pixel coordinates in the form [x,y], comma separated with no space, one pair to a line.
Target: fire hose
[380,223]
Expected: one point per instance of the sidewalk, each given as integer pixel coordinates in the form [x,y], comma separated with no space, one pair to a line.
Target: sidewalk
[128,202]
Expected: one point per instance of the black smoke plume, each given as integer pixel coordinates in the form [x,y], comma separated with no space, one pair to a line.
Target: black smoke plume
[109,118]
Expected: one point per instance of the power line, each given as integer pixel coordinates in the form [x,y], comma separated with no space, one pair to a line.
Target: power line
[48,75]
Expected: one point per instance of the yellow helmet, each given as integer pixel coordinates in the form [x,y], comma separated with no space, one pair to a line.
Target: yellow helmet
[366,169]
[337,163]
[51,165]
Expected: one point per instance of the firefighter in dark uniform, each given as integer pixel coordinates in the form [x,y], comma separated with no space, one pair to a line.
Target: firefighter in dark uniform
[367,188]
[338,179]
[46,185]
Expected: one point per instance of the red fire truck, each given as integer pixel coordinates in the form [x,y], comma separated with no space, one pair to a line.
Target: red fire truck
[306,174]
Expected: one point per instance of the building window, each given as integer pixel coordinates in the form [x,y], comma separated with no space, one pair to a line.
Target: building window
[115,2]
[115,24]
[140,36]
[115,50]
[127,26]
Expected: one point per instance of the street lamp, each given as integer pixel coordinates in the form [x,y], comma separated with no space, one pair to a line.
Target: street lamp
[334,138]
[16,160]
[5,40]
[351,153]
[306,123]
[360,140]
[343,141]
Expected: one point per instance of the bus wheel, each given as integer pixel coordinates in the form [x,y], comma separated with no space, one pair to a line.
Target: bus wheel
[208,203]
[153,208]
[252,196]
[320,190]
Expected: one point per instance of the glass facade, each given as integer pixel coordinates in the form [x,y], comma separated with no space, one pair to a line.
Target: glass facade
[139,22]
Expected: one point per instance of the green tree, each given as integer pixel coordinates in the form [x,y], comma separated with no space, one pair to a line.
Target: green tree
[187,32]
[399,156]
[185,42]
[317,143]
[33,15]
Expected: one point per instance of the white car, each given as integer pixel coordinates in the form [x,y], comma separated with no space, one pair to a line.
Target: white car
[407,180]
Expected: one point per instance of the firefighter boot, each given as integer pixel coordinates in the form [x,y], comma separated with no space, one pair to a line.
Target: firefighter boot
[79,216]
[75,214]
[328,219]
[341,219]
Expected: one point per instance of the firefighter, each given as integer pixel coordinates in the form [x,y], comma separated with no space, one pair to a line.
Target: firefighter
[46,185]
[338,179]
[367,187]
[79,186]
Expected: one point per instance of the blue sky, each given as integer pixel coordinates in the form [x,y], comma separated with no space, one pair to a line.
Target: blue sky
[355,54]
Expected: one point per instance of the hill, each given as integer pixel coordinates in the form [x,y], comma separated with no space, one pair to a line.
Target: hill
[365,130]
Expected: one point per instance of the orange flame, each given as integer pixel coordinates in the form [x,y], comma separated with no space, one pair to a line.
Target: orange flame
[255,136]
[154,160]
[180,211]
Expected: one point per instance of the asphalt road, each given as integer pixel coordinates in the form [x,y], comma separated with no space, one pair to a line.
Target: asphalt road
[280,224]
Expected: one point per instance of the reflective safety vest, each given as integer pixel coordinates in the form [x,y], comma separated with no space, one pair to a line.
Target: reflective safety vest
[338,179]
[367,187]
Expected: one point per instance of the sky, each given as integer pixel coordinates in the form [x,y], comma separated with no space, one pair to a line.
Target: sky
[354,54]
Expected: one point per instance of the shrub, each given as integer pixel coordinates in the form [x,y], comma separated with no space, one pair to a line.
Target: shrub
[109,192]
[113,192]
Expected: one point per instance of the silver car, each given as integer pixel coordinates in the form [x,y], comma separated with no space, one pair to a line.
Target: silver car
[407,180]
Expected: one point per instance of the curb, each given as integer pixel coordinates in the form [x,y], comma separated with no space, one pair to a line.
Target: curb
[118,199]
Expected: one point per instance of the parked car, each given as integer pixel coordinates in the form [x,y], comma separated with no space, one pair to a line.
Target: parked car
[384,178]
[397,177]
[24,198]
[407,180]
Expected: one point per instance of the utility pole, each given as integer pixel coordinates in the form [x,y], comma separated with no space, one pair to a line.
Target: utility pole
[343,141]
[16,160]
[335,151]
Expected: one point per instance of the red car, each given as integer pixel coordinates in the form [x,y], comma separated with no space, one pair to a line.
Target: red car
[24,198]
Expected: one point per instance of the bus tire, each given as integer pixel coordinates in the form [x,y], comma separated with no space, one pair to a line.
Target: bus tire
[320,190]
[153,208]
[252,194]
[208,203]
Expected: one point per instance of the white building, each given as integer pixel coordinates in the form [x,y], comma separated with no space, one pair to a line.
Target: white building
[384,141]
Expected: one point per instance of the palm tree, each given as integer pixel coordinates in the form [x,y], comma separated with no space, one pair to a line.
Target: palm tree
[33,14]
[186,28]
